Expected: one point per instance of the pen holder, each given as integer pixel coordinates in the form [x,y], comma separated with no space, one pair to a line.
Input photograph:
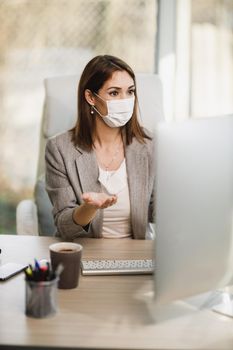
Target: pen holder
[41,298]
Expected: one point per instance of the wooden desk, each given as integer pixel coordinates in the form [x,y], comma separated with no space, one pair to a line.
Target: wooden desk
[103,312]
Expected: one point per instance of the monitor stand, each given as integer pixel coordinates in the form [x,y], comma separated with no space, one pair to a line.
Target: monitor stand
[220,301]
[225,307]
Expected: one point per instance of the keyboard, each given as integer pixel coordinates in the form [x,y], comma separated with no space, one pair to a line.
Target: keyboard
[117,267]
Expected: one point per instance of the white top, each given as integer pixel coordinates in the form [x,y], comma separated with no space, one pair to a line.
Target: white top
[116,219]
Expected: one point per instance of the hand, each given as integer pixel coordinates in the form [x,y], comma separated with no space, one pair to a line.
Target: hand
[99,200]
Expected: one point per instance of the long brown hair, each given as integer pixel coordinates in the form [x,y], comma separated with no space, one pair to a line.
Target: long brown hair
[95,74]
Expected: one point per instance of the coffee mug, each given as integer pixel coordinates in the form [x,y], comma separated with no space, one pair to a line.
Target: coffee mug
[69,256]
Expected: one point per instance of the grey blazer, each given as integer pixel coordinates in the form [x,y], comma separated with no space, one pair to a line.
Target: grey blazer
[71,171]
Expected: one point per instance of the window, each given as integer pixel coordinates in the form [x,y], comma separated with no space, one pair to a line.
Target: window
[211,81]
[195,57]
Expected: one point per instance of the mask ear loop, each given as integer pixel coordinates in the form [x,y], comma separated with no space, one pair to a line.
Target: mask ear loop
[99,96]
[93,108]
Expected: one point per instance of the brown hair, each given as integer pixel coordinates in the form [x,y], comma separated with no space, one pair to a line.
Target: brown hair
[95,74]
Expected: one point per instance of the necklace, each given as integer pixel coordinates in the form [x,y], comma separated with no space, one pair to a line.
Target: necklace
[108,165]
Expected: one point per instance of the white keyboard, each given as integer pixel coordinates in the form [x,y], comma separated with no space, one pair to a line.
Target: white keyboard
[117,267]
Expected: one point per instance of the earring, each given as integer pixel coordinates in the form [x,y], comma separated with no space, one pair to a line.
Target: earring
[92,109]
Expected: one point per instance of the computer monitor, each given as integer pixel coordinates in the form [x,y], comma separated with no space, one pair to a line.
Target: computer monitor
[194,207]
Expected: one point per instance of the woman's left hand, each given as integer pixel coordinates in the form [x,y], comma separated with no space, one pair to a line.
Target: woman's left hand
[99,200]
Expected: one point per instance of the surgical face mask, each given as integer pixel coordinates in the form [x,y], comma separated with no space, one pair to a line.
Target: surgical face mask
[119,111]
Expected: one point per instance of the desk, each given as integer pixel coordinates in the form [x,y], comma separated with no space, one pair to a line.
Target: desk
[104,311]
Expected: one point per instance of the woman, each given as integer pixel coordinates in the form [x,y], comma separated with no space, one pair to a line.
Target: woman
[100,174]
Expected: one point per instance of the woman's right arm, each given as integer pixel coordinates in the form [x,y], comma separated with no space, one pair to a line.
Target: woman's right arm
[60,192]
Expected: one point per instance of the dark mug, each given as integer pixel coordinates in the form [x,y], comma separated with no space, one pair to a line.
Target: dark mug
[69,255]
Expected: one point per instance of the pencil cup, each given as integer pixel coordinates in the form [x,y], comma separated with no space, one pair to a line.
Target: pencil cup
[41,298]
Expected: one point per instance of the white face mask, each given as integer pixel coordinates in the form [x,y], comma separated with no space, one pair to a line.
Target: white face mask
[119,111]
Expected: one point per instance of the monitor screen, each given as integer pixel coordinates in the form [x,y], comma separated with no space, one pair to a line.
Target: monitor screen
[194,207]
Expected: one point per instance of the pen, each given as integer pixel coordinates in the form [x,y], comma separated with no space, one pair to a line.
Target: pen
[37,265]
[29,273]
[41,271]
[59,270]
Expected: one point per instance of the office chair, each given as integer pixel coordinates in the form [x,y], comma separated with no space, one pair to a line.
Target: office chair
[34,217]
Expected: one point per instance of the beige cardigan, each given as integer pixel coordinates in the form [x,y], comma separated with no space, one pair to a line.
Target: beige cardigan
[71,171]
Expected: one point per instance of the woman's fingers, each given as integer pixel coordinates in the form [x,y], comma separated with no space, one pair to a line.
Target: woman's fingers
[99,200]
[109,201]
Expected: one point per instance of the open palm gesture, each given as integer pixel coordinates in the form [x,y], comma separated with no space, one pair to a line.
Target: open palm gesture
[99,200]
